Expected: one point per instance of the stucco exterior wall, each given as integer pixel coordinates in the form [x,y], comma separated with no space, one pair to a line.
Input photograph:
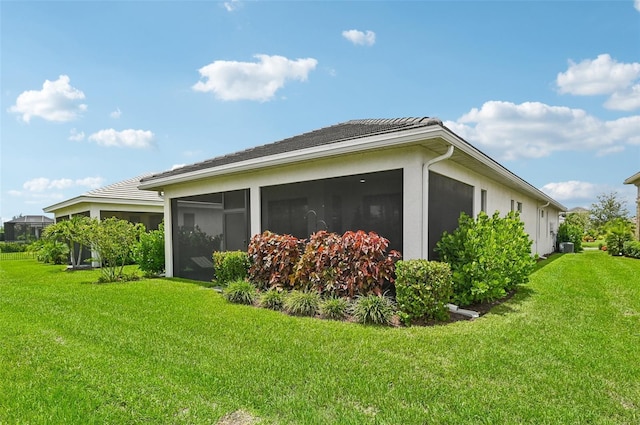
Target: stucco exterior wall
[415,214]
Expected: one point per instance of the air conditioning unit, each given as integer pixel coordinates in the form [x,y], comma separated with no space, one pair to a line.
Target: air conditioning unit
[566,247]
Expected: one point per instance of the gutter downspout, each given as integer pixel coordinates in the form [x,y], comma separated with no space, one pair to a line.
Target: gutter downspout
[538,223]
[425,199]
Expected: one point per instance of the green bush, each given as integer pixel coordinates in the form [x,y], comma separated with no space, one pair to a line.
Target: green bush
[373,309]
[50,251]
[573,233]
[230,266]
[618,232]
[272,299]
[149,251]
[423,288]
[488,257]
[240,292]
[13,247]
[335,308]
[302,303]
[631,249]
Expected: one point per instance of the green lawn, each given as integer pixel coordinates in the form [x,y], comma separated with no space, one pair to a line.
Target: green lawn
[564,350]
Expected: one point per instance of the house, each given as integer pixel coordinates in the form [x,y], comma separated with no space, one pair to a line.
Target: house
[635,179]
[122,200]
[25,228]
[407,179]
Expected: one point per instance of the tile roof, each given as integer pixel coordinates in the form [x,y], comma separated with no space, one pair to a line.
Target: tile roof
[349,130]
[31,219]
[126,189]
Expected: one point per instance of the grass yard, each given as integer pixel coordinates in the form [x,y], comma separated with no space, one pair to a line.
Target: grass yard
[564,350]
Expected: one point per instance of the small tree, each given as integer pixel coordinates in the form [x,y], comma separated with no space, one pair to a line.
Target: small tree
[73,233]
[607,209]
[113,240]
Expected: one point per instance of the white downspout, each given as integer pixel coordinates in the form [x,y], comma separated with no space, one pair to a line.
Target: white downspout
[425,199]
[538,224]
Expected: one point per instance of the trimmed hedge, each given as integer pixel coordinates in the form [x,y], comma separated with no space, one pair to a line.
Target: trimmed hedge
[230,266]
[423,288]
[631,249]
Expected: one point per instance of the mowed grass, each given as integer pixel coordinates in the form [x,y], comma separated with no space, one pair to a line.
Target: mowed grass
[564,350]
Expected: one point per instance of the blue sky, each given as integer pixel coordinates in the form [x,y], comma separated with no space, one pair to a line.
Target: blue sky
[96,92]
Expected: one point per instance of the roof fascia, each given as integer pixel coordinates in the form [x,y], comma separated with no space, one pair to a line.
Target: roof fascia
[99,200]
[635,179]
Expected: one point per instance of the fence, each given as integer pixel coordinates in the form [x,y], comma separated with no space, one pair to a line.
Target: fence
[17,256]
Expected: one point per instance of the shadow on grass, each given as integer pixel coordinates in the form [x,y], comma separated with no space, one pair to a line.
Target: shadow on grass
[544,263]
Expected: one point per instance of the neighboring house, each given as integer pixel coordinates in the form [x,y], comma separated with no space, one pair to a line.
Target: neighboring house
[635,180]
[122,200]
[407,179]
[25,228]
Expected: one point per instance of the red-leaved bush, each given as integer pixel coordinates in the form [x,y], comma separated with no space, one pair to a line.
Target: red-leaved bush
[355,263]
[273,259]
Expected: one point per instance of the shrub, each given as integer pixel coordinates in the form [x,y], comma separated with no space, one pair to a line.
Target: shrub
[13,247]
[272,299]
[319,266]
[335,308]
[273,259]
[618,232]
[302,303]
[573,233]
[149,251]
[50,251]
[488,256]
[230,266]
[240,292]
[631,249]
[355,263]
[423,288]
[373,309]
[365,266]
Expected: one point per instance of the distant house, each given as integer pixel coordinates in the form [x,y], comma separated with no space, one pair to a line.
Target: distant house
[122,200]
[635,180]
[25,228]
[407,179]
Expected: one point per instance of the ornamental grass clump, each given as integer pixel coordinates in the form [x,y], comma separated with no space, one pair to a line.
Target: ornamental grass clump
[240,292]
[373,309]
[302,303]
[334,308]
[272,299]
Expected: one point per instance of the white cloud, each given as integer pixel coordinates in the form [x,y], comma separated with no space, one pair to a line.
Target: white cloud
[603,76]
[116,114]
[231,80]
[573,190]
[367,38]
[76,136]
[535,130]
[57,101]
[585,193]
[232,5]
[637,5]
[126,138]
[42,184]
